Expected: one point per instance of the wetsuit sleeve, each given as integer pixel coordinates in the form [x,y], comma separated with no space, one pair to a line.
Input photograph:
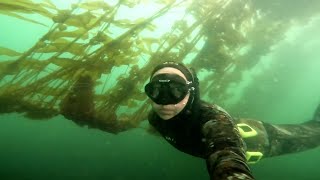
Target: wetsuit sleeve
[225,149]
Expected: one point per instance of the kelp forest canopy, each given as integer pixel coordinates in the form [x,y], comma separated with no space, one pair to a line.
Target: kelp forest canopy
[96,56]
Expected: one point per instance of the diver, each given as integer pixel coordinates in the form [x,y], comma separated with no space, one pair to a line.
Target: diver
[205,130]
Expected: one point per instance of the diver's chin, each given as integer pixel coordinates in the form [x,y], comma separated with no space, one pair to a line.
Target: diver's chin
[166,116]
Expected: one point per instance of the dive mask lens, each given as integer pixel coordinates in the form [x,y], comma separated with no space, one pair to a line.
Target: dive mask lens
[153,90]
[167,89]
[178,90]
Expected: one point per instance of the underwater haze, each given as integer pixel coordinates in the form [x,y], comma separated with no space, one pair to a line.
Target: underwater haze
[282,88]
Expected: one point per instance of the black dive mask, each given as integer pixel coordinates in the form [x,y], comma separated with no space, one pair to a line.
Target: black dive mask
[167,89]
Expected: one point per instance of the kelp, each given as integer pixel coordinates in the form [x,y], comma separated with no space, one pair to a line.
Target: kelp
[91,65]
[8,52]
[15,8]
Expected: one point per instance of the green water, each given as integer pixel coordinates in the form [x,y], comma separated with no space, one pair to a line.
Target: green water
[59,149]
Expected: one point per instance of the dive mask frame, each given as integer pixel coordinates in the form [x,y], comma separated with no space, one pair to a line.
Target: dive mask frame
[168,88]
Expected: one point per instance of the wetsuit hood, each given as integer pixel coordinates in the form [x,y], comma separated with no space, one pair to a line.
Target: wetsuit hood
[194,99]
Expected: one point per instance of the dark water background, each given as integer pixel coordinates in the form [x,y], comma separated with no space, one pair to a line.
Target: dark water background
[59,149]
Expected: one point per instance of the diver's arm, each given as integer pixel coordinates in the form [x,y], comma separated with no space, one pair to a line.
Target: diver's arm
[225,149]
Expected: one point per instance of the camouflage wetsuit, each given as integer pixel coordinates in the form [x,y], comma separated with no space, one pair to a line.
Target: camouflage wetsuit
[214,137]
[274,140]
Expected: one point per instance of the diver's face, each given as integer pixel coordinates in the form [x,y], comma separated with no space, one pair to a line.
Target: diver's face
[168,111]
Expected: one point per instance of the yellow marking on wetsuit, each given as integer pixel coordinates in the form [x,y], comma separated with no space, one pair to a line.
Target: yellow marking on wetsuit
[253,157]
[246,131]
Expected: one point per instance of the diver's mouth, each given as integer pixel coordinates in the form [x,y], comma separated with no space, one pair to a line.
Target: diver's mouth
[163,111]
